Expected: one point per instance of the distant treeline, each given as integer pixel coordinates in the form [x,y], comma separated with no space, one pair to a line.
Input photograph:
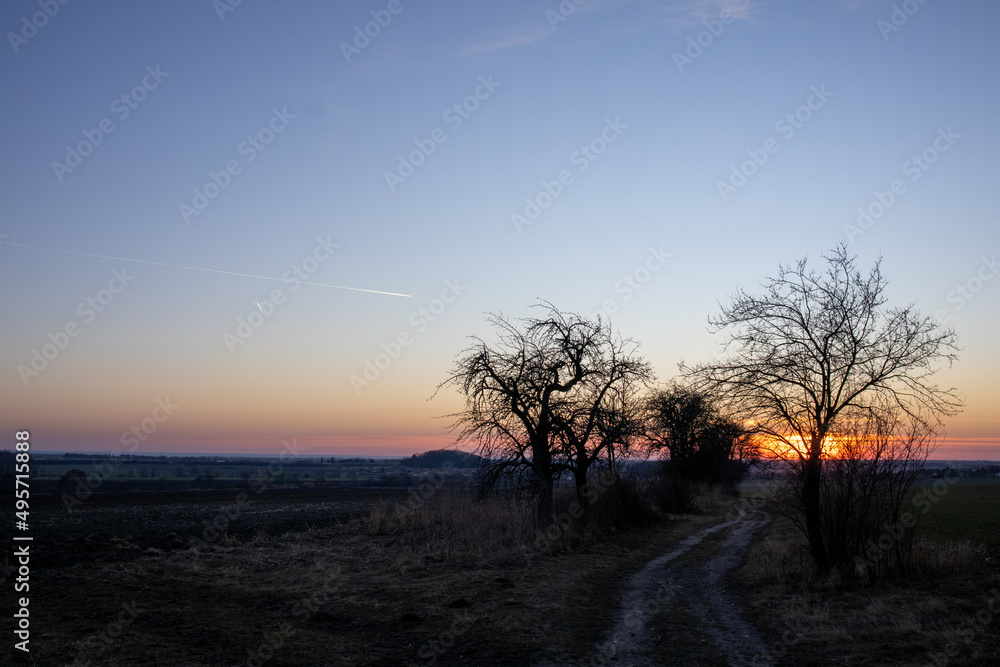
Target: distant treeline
[71,458]
[440,458]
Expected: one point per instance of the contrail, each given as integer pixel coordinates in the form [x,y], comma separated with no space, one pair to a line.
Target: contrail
[198,268]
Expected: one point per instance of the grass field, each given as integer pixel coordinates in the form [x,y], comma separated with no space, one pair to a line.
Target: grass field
[911,622]
[969,509]
[322,578]
[449,581]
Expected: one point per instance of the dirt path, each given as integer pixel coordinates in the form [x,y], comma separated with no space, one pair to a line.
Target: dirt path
[676,610]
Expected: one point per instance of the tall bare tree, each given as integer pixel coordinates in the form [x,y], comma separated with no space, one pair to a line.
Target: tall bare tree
[819,353]
[546,399]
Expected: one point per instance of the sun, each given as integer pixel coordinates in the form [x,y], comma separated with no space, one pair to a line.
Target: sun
[793,446]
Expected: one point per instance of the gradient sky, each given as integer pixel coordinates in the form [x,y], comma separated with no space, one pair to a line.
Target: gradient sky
[889,92]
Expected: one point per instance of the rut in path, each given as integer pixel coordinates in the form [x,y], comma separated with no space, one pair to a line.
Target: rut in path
[664,580]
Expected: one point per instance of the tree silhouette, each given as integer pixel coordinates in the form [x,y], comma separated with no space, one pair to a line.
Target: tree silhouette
[817,355]
[548,398]
[703,444]
[602,419]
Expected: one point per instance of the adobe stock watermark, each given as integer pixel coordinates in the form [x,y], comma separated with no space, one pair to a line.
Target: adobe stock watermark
[970,627]
[899,17]
[215,529]
[302,611]
[432,649]
[122,106]
[87,483]
[421,494]
[914,168]
[786,126]
[562,13]
[923,500]
[597,484]
[96,644]
[139,433]
[454,116]
[713,30]
[294,276]
[966,291]
[633,281]
[31,25]
[88,309]
[419,321]
[363,35]
[581,158]
[223,7]
[249,149]
[634,620]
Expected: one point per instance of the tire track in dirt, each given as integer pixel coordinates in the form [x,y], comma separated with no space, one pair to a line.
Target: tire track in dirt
[670,583]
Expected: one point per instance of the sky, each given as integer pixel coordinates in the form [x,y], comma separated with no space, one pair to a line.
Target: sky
[186,188]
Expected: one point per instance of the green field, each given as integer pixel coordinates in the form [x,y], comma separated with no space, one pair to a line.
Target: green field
[969,509]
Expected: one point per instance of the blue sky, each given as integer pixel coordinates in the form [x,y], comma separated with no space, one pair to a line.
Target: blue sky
[225,77]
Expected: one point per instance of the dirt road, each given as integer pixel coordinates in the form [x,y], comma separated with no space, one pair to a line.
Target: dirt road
[676,610]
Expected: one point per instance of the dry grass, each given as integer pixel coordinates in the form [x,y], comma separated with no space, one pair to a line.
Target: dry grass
[948,557]
[783,558]
[452,528]
[780,559]
[459,529]
[832,621]
[451,580]
[399,583]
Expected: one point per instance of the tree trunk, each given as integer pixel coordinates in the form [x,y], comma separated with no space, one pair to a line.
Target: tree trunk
[581,486]
[546,504]
[542,463]
[811,506]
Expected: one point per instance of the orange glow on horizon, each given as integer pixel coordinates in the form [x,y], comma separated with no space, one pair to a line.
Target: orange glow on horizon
[794,446]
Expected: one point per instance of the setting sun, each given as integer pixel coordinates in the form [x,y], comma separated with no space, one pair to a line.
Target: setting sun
[793,446]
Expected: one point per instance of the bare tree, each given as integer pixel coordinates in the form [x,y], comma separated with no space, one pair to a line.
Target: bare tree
[679,418]
[546,399]
[868,474]
[818,355]
[602,420]
[697,441]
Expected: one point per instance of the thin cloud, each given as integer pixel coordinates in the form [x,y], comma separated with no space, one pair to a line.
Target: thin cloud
[678,13]
[198,268]
[691,12]
[523,36]
[854,5]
